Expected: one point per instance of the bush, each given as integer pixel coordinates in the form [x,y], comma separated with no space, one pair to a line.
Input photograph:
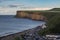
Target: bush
[53,26]
[17,38]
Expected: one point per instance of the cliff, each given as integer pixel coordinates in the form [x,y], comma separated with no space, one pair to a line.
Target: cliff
[31,15]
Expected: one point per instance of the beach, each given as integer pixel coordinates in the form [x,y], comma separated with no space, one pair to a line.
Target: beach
[30,34]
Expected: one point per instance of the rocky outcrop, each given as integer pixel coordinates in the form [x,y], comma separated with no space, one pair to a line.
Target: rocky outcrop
[31,15]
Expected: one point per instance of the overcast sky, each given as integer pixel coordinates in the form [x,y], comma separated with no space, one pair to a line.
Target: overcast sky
[8,7]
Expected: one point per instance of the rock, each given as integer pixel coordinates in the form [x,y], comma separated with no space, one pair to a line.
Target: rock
[31,15]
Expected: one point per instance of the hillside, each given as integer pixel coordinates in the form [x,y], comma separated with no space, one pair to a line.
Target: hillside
[55,9]
[53,24]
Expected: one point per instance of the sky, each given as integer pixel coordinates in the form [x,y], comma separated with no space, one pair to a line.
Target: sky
[9,7]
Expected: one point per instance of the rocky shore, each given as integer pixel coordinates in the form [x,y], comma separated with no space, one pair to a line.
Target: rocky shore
[30,34]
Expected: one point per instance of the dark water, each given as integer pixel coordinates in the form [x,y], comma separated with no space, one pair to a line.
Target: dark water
[9,24]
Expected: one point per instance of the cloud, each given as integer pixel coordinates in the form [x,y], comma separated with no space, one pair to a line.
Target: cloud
[42,8]
[5,0]
[7,11]
[15,5]
[12,11]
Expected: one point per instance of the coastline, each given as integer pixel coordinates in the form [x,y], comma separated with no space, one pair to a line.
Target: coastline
[14,34]
[26,32]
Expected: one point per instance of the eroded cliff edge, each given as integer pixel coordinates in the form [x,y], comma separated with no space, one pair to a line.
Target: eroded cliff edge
[34,15]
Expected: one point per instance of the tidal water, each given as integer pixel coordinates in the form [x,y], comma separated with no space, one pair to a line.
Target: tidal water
[9,24]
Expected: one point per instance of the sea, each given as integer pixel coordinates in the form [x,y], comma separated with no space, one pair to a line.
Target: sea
[10,25]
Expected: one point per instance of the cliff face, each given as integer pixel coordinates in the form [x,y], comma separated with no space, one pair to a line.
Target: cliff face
[30,14]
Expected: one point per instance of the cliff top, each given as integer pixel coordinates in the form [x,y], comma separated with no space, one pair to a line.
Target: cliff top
[55,9]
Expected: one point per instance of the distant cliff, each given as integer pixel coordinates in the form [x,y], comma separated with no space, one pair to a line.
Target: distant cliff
[31,15]
[55,9]
[38,15]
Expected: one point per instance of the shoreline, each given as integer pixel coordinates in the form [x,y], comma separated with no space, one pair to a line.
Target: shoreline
[15,33]
[13,36]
